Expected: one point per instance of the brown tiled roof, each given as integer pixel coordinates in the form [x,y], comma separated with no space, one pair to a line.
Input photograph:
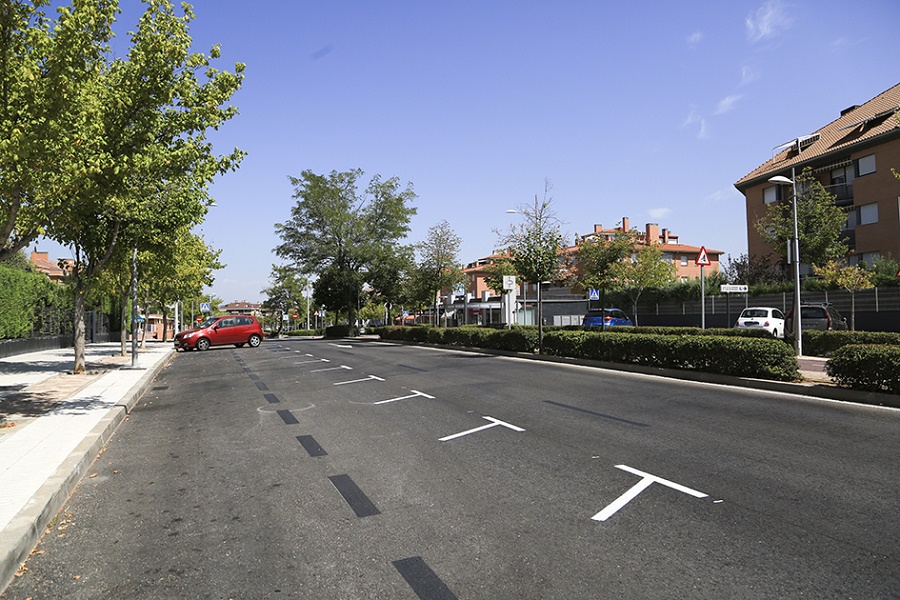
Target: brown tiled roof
[856,126]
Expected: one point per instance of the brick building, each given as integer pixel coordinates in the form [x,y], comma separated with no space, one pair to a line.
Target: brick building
[853,157]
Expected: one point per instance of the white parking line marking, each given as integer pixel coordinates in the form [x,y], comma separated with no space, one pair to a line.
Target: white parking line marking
[369,378]
[332,369]
[414,394]
[318,360]
[494,423]
[646,481]
[341,345]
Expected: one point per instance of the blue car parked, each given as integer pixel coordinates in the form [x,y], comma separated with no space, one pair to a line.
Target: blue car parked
[607,317]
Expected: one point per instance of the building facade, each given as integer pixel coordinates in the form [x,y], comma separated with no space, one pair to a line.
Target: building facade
[853,157]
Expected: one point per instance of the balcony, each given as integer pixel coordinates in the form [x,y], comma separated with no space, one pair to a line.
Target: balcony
[843,193]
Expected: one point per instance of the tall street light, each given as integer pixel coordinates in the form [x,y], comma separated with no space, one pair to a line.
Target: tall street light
[795,256]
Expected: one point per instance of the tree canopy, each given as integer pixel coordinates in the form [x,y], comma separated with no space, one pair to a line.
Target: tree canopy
[819,223]
[98,151]
[340,233]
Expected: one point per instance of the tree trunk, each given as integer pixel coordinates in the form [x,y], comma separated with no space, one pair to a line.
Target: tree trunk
[80,295]
[540,319]
[123,333]
[165,323]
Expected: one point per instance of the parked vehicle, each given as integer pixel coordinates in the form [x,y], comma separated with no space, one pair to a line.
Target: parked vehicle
[607,317]
[819,315]
[221,331]
[762,317]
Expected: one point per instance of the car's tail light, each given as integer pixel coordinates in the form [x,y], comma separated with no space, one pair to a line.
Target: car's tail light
[607,318]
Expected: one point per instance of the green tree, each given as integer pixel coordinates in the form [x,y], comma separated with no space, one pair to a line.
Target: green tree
[646,270]
[340,234]
[496,271]
[286,292]
[439,267]
[48,73]
[884,272]
[847,277]
[148,162]
[819,223]
[533,248]
[755,270]
[596,259]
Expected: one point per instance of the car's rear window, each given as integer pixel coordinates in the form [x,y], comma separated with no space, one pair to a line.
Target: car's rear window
[754,313]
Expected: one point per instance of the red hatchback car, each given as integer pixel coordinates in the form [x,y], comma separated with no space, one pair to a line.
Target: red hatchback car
[221,331]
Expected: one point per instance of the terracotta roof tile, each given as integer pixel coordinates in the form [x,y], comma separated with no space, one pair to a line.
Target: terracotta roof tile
[856,126]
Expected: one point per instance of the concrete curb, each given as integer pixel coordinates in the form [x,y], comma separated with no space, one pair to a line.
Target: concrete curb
[24,532]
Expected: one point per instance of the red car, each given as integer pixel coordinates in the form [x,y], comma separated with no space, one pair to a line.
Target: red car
[221,331]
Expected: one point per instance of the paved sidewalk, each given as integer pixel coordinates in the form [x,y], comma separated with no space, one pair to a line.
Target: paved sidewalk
[52,425]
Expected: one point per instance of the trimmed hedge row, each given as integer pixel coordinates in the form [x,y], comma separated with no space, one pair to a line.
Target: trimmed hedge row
[741,356]
[22,296]
[826,343]
[870,367]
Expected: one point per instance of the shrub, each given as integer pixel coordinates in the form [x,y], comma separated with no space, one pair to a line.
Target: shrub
[337,331]
[871,367]
[826,343]
[726,355]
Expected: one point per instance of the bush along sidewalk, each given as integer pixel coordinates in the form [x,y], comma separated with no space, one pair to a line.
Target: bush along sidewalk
[869,367]
[740,356]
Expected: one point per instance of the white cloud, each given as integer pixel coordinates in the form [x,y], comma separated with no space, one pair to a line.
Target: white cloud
[768,21]
[659,213]
[748,75]
[694,38]
[727,104]
[694,118]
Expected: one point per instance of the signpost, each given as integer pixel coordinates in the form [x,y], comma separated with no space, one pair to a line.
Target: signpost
[509,294]
[702,261]
[729,289]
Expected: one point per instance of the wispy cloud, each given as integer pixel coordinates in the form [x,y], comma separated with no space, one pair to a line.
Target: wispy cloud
[694,39]
[659,213]
[727,104]
[768,21]
[694,119]
[748,75]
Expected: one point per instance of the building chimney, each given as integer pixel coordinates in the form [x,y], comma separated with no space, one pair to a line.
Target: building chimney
[665,236]
[626,226]
[598,228]
[652,235]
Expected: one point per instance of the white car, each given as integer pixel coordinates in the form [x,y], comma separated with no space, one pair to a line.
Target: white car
[762,317]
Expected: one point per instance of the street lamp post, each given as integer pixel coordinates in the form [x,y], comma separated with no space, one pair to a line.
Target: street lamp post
[795,256]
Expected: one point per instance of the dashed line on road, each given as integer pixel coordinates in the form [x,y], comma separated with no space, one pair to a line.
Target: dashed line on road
[424,582]
[358,501]
[312,447]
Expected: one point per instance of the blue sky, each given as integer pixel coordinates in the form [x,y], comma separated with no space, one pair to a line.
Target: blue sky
[645,110]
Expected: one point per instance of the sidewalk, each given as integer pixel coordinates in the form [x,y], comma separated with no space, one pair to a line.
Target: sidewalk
[52,425]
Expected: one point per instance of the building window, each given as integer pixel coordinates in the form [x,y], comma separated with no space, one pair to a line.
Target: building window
[772,194]
[868,214]
[684,261]
[865,165]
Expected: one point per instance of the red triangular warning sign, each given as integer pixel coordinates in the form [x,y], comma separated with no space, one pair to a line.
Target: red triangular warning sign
[702,258]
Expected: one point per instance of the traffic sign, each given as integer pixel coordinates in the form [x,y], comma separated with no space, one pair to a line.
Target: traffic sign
[733,289]
[296,316]
[199,320]
[593,294]
[205,307]
[702,258]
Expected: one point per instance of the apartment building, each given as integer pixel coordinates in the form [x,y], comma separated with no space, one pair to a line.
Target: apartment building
[682,256]
[853,157]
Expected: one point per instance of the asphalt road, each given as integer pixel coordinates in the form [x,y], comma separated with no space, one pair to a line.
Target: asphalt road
[317,469]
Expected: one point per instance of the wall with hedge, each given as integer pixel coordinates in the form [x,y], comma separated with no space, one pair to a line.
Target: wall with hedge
[30,304]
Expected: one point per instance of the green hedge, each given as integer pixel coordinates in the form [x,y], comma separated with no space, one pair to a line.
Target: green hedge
[741,356]
[871,367]
[24,297]
[302,332]
[725,355]
[826,343]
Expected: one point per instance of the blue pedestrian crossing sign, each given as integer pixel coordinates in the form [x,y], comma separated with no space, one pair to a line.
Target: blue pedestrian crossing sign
[205,307]
[593,294]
